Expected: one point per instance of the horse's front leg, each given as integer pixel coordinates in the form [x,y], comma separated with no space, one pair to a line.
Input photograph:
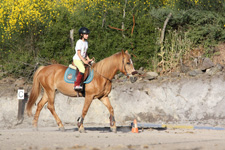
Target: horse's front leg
[80,120]
[106,102]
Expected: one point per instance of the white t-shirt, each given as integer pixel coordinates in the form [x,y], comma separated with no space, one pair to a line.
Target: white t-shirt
[82,46]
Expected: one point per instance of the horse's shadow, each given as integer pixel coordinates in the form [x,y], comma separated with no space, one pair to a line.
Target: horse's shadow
[120,129]
[123,129]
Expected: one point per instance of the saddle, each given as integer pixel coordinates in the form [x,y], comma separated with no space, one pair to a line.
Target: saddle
[71,72]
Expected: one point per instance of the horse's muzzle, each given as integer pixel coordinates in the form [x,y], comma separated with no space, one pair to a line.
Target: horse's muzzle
[134,72]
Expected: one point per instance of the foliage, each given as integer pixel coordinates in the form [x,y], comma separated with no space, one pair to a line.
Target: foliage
[37,32]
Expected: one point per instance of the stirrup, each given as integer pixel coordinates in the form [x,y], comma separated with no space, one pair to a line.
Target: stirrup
[78,87]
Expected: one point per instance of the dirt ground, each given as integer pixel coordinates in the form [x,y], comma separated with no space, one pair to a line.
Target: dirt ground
[49,138]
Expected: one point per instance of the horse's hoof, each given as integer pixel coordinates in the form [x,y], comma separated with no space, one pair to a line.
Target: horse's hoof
[82,130]
[62,129]
[35,129]
[113,129]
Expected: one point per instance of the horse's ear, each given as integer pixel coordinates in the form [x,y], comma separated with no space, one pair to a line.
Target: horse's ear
[122,52]
[126,51]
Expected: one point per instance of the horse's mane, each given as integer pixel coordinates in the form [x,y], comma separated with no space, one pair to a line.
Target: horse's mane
[108,65]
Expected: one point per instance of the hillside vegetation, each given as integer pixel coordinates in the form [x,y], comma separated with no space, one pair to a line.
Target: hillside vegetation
[158,33]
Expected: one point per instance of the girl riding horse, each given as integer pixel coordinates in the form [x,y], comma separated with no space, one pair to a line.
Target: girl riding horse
[51,78]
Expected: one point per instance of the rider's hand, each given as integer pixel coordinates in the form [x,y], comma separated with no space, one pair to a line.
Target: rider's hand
[86,62]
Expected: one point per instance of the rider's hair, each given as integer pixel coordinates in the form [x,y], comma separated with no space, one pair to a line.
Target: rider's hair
[81,36]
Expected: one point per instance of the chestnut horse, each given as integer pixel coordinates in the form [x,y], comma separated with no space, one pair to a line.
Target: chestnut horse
[51,78]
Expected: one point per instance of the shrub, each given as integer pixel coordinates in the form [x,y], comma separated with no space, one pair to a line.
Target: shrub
[39,31]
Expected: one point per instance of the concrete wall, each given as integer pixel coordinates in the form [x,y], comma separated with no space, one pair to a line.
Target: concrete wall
[186,100]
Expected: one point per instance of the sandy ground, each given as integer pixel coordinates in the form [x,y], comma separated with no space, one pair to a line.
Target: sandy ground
[49,138]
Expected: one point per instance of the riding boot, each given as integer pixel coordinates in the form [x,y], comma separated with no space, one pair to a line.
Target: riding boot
[77,83]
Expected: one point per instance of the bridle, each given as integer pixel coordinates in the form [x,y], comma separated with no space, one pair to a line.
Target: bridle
[124,68]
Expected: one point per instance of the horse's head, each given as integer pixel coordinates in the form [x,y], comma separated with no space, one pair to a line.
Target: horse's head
[127,64]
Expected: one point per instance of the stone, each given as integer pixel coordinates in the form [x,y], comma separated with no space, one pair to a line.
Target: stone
[140,72]
[194,72]
[141,68]
[219,67]
[133,79]
[175,74]
[184,69]
[214,70]
[207,63]
[154,74]
[151,75]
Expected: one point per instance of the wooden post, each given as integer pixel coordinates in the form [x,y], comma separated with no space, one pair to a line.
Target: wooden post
[124,14]
[71,38]
[164,28]
[22,99]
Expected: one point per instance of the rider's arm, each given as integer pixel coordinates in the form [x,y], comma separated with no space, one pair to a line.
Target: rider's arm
[84,61]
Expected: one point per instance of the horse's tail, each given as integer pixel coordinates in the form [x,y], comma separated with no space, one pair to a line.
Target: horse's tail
[35,91]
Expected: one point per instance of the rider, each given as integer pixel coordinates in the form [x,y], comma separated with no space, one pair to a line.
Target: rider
[80,58]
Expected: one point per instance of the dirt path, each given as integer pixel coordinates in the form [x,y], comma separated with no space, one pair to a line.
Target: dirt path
[49,138]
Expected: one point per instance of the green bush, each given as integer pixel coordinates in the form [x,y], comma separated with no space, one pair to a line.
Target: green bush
[192,24]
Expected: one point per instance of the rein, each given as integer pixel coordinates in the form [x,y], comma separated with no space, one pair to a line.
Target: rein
[99,73]
[123,67]
[102,75]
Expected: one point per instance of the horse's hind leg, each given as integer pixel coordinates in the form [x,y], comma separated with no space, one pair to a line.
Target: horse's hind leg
[106,102]
[40,105]
[51,107]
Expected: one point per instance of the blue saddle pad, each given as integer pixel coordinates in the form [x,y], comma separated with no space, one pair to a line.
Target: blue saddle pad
[90,76]
[70,76]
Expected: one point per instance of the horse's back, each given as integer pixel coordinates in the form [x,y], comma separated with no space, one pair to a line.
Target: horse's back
[55,73]
[55,67]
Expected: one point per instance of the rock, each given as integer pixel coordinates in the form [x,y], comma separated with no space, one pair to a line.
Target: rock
[140,72]
[151,75]
[141,68]
[184,69]
[119,75]
[175,74]
[194,72]
[154,74]
[214,70]
[133,79]
[219,67]
[124,78]
[207,63]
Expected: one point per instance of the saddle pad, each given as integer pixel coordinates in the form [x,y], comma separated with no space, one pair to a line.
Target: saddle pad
[90,77]
[69,76]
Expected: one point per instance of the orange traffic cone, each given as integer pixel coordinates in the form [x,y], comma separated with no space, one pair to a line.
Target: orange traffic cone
[134,127]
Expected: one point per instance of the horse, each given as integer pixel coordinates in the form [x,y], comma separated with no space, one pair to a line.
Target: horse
[51,78]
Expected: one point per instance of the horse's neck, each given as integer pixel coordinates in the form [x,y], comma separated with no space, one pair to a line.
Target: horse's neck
[108,66]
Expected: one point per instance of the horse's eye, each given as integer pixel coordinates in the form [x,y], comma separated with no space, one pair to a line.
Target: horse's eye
[128,63]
